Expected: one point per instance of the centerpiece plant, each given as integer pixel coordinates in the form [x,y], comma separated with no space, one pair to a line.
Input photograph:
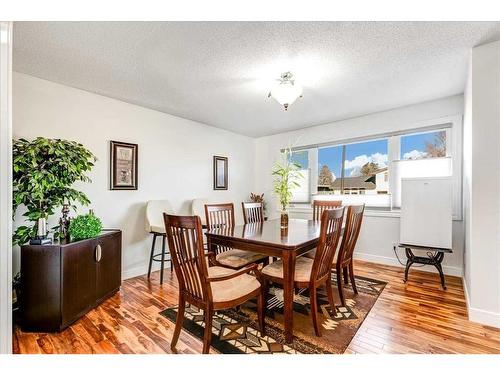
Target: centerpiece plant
[286,175]
[44,171]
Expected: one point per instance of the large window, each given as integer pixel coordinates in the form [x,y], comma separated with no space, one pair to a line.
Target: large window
[355,168]
[370,171]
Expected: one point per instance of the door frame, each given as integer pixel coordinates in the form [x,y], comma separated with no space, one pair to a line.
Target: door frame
[5,187]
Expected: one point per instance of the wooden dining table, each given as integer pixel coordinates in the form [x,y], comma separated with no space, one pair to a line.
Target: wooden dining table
[270,239]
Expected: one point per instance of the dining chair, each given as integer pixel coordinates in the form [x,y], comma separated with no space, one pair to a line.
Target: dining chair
[156,227]
[313,273]
[208,288]
[221,217]
[318,208]
[344,263]
[253,212]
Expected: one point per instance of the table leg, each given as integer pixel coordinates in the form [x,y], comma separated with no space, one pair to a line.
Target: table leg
[288,291]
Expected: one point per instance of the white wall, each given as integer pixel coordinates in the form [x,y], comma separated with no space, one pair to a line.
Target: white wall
[379,232]
[5,187]
[482,185]
[175,156]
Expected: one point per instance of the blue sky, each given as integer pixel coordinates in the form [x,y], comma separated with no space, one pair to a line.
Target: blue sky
[416,142]
[356,154]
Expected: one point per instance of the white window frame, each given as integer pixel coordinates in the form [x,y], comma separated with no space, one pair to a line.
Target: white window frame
[453,127]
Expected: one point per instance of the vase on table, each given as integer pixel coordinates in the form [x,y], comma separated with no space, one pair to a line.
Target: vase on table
[284,219]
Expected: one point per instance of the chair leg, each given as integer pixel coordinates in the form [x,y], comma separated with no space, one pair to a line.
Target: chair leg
[151,256]
[261,311]
[314,311]
[340,286]
[178,322]
[346,276]
[351,276]
[329,292]
[162,259]
[207,337]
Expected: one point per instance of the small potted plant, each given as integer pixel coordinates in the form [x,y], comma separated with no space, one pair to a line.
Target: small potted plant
[286,176]
[85,226]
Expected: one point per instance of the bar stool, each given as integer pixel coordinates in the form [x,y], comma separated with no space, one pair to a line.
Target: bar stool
[156,226]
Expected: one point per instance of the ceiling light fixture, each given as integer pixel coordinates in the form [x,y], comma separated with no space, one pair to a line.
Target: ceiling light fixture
[286,91]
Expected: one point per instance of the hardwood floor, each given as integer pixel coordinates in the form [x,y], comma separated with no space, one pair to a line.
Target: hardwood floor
[417,317]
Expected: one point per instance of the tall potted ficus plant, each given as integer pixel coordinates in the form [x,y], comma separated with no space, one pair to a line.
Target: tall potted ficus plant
[286,177]
[44,171]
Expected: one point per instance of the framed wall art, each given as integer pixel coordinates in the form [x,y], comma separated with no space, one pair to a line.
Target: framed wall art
[220,173]
[123,166]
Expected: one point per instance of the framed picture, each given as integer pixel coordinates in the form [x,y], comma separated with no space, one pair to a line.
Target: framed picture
[220,173]
[123,166]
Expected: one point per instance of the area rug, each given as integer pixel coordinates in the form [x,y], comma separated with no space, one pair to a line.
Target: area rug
[236,331]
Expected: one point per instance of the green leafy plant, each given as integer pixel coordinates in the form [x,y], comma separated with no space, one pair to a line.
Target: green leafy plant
[286,176]
[85,226]
[43,172]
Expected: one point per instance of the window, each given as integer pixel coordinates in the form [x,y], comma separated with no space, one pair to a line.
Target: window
[370,171]
[302,193]
[354,169]
[423,145]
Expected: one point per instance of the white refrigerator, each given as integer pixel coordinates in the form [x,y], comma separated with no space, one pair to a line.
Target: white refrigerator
[426,212]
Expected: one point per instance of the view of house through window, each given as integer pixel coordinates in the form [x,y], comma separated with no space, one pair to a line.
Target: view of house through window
[356,168]
[362,168]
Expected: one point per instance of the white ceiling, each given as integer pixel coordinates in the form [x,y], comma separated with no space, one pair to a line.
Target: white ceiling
[220,73]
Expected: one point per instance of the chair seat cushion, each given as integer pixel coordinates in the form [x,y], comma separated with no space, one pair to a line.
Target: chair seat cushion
[158,229]
[232,289]
[238,258]
[303,268]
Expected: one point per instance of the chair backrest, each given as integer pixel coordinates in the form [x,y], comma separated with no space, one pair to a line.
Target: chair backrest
[186,248]
[198,209]
[351,232]
[219,215]
[253,212]
[320,206]
[154,213]
[331,229]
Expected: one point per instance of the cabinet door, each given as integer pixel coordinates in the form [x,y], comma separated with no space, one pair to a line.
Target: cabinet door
[109,267]
[78,279]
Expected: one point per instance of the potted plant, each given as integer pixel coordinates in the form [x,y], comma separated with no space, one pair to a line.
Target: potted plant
[85,226]
[286,176]
[43,172]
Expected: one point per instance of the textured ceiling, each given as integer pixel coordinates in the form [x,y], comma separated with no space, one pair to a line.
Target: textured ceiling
[220,73]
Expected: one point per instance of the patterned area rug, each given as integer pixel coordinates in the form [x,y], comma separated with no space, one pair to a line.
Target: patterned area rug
[236,331]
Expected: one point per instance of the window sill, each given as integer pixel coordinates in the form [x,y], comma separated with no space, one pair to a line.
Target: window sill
[374,212]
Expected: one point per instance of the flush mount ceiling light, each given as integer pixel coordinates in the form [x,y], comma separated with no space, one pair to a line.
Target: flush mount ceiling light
[286,91]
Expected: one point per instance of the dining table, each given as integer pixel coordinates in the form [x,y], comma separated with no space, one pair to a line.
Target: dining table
[270,238]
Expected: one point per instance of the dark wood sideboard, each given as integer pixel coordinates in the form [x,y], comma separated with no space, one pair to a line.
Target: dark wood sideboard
[63,281]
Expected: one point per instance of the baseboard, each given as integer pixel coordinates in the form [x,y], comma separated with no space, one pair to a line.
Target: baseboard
[142,270]
[480,316]
[448,270]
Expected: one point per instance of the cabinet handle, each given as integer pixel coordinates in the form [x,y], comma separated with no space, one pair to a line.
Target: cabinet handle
[98,253]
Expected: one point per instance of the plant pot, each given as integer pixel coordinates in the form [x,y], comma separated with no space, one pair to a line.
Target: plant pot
[284,219]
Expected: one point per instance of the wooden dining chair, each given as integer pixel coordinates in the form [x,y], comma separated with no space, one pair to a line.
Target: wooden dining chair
[320,206]
[344,264]
[253,212]
[221,217]
[313,273]
[207,288]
